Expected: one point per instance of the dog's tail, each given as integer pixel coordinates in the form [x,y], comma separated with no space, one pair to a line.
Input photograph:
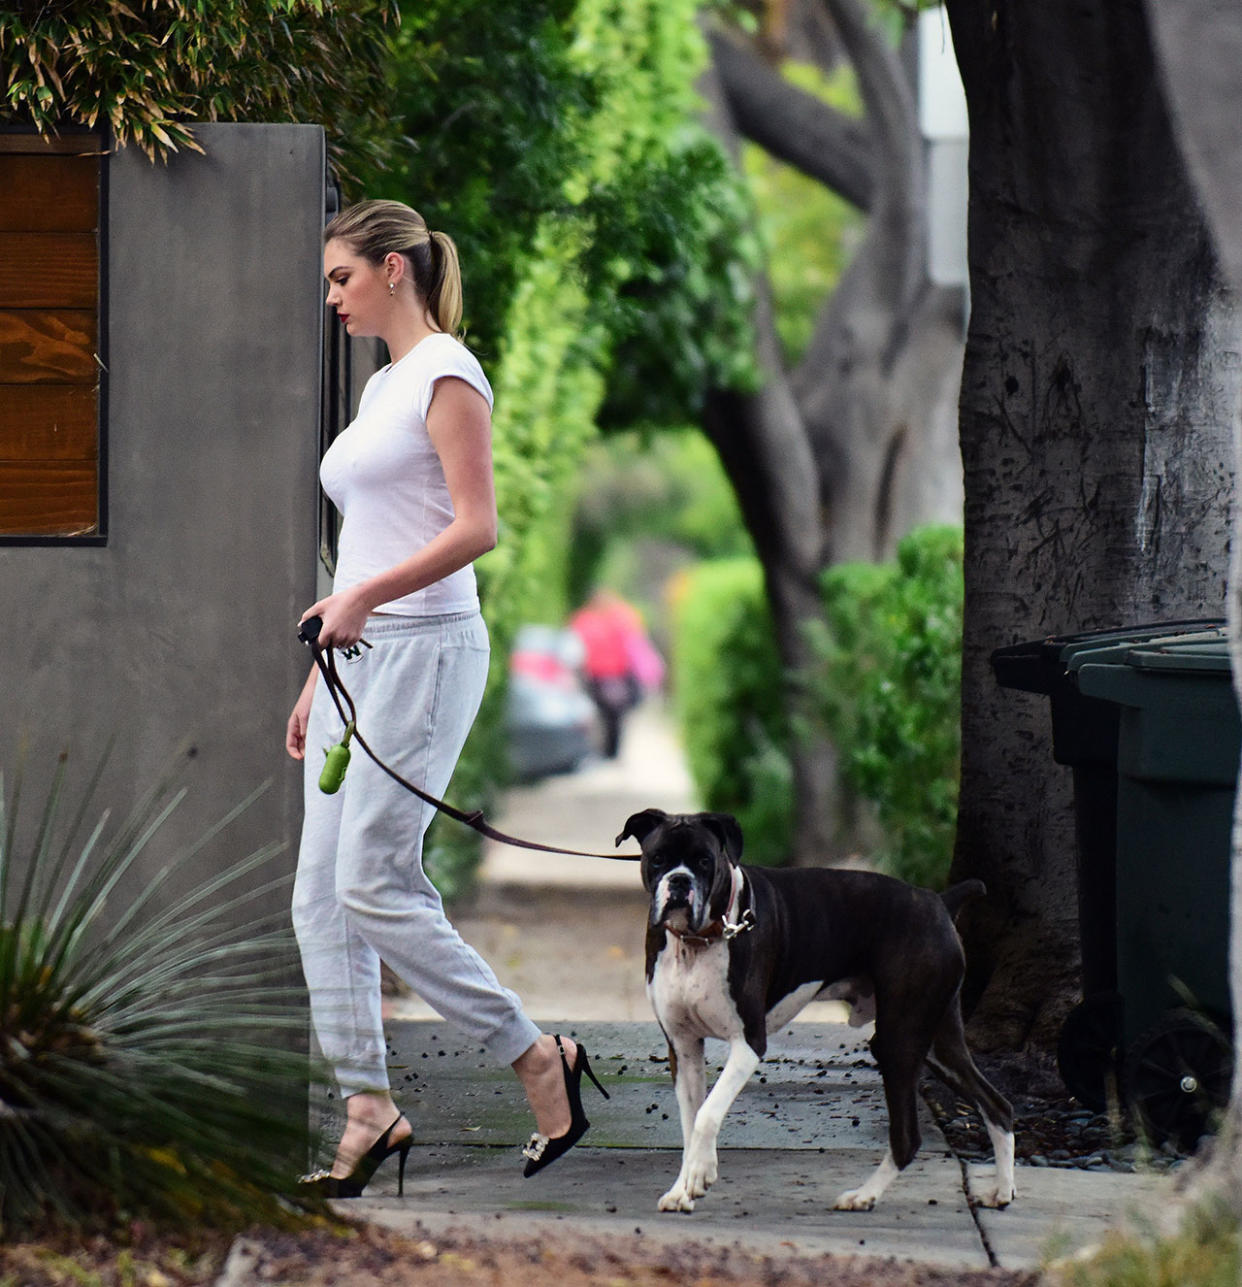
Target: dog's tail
[957,896]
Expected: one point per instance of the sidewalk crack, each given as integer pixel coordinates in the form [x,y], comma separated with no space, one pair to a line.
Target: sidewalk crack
[984,1241]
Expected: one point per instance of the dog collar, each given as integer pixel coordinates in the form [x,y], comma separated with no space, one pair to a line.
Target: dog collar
[725,928]
[708,934]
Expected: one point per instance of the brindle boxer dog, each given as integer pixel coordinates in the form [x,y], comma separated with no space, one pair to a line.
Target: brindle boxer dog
[735,952]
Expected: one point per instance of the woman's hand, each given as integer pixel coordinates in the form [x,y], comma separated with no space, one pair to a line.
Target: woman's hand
[344,618]
[295,730]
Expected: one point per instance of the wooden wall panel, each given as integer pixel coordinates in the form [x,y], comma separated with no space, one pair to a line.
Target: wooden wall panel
[49,193]
[70,142]
[48,422]
[50,483]
[49,270]
[51,347]
[48,499]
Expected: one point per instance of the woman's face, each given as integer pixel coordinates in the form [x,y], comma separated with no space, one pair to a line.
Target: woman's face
[357,289]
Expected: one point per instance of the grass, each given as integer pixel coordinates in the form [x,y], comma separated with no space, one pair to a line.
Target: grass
[1203,1253]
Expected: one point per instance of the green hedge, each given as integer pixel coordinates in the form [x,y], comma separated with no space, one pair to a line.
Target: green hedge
[891,694]
[546,398]
[887,688]
[730,703]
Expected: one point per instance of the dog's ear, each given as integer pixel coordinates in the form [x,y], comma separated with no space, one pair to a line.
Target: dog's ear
[641,825]
[729,832]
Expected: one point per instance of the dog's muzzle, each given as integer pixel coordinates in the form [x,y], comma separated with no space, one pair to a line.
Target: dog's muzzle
[677,896]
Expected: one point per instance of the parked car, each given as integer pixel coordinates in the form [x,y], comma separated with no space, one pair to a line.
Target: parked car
[551,724]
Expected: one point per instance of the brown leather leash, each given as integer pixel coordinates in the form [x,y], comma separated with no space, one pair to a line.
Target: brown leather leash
[325,659]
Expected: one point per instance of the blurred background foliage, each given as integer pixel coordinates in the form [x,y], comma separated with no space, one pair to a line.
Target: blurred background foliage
[887,691]
[606,260]
[730,704]
[610,250]
[649,507]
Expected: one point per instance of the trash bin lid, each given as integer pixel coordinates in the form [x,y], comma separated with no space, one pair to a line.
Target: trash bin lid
[1197,650]
[1176,680]
[1041,665]
[1206,652]
[1179,718]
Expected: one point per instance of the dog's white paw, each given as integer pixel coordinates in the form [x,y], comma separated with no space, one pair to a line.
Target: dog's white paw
[677,1199]
[854,1200]
[998,1196]
[699,1174]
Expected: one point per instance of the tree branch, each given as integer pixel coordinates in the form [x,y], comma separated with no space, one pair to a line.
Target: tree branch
[864,314]
[792,125]
[759,436]
[899,171]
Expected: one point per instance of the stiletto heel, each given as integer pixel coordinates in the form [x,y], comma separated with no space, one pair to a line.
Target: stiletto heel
[541,1151]
[351,1186]
[404,1153]
[585,1064]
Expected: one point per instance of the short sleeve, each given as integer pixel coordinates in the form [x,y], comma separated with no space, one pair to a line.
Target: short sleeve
[453,359]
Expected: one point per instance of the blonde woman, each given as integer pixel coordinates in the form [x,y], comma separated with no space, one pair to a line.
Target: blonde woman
[412,478]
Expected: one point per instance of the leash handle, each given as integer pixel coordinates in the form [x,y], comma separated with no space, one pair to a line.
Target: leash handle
[325,659]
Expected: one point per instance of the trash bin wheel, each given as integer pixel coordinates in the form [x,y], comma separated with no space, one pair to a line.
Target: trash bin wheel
[1088,1049]
[1176,1078]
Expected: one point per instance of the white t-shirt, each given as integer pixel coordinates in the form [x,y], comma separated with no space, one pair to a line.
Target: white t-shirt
[384,475]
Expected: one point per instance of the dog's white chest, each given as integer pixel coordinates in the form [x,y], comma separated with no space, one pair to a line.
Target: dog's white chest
[689,991]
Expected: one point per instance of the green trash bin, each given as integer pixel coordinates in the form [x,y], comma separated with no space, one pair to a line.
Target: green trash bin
[1134,1033]
[1178,741]
[1084,738]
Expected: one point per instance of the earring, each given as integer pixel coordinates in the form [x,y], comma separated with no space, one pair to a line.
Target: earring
[392,289]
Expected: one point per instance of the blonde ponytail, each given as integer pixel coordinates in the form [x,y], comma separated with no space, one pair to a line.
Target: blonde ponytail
[445,299]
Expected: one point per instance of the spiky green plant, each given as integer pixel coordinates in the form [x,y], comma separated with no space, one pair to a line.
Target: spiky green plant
[150,1055]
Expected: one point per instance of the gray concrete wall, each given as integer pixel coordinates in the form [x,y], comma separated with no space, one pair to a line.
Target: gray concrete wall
[181,629]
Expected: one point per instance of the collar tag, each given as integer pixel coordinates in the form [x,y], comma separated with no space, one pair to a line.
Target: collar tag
[733,929]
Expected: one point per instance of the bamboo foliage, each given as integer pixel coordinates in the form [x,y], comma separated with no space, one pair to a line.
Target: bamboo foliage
[147,69]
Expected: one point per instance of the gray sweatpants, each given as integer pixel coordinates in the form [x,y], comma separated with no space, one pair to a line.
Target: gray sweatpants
[361,893]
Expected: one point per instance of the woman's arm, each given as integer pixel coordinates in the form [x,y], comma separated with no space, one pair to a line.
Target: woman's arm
[295,729]
[460,427]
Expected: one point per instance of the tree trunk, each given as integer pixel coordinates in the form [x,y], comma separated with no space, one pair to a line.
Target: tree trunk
[1094,423]
[838,459]
[762,445]
[1199,49]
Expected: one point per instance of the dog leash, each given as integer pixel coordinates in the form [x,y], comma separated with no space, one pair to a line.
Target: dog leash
[325,659]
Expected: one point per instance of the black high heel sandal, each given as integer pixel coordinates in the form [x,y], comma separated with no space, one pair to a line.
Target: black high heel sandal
[542,1151]
[351,1186]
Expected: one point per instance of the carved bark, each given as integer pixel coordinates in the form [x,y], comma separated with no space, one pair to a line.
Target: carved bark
[1095,410]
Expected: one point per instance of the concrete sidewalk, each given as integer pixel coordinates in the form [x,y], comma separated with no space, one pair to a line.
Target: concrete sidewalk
[567,934]
[586,810]
[810,1124]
